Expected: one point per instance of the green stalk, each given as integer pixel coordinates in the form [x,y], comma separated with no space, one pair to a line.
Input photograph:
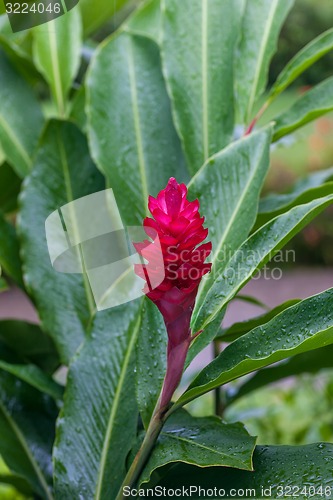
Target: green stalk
[153,431]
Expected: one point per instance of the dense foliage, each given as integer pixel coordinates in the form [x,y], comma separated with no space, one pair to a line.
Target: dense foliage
[163,96]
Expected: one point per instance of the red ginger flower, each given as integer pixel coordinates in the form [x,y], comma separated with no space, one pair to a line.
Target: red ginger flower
[179,227]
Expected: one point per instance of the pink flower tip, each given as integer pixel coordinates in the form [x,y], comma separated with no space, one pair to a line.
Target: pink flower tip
[179,227]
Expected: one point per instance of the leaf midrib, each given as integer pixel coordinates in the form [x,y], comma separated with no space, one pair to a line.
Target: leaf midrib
[55,67]
[19,147]
[226,299]
[260,59]
[137,121]
[70,198]
[230,224]
[199,445]
[204,56]
[29,455]
[113,413]
[225,375]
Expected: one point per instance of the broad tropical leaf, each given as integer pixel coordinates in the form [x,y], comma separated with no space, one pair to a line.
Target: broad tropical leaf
[10,251]
[146,21]
[204,441]
[3,284]
[305,326]
[29,343]
[238,329]
[35,377]
[77,112]
[310,188]
[27,423]
[10,187]
[63,172]
[255,252]
[198,59]
[126,92]
[21,118]
[313,104]
[308,362]
[57,54]
[99,418]
[228,187]
[261,26]
[307,470]
[305,58]
[95,15]
[151,359]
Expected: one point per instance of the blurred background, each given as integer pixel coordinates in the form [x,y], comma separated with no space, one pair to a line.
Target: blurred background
[297,410]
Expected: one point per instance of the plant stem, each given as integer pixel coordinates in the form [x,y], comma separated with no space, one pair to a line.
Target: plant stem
[142,456]
[258,116]
[219,403]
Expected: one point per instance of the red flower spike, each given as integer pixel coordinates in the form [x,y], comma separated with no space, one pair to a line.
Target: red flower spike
[180,230]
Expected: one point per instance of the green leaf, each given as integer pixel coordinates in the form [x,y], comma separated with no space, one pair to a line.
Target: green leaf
[300,467]
[238,329]
[151,359]
[78,113]
[228,187]
[27,421]
[35,377]
[17,482]
[262,23]
[3,285]
[17,47]
[131,134]
[21,119]
[94,16]
[308,362]
[63,172]
[255,252]
[9,251]
[305,58]
[313,104]
[57,54]
[10,187]
[305,326]
[2,156]
[204,441]
[311,187]
[198,59]
[252,300]
[29,343]
[99,418]
[146,21]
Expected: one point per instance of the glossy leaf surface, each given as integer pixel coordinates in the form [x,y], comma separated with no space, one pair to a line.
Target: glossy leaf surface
[313,104]
[255,252]
[131,133]
[63,172]
[204,441]
[305,326]
[305,58]
[99,418]
[198,58]
[260,30]
[21,118]
[57,54]
[298,467]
